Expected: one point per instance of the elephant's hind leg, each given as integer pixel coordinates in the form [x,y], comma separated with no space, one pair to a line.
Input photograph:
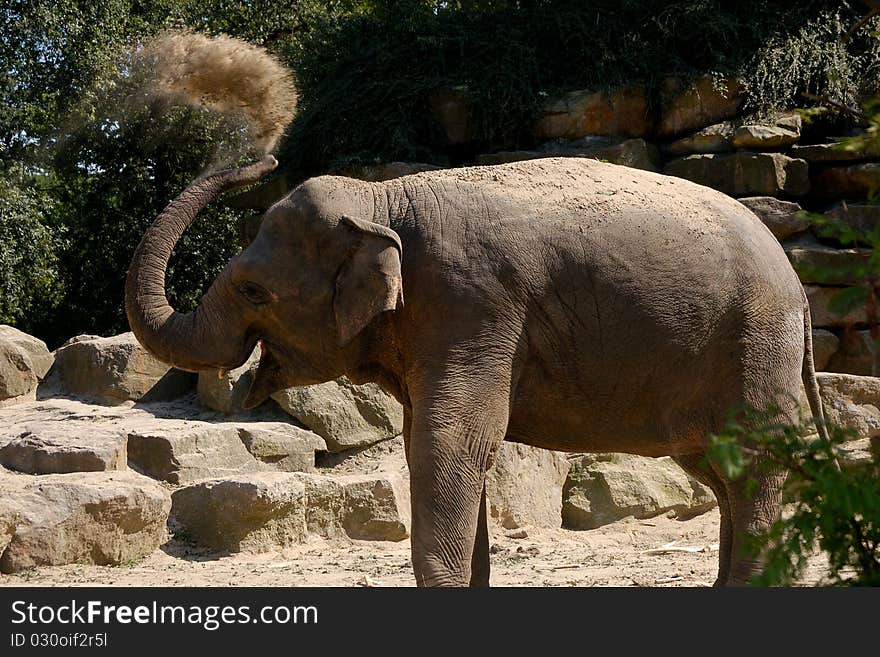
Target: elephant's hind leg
[697,466]
[754,504]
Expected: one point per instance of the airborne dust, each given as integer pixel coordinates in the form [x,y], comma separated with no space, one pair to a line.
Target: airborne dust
[223,74]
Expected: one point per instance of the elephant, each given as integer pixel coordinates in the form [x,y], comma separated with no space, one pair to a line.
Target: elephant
[563,303]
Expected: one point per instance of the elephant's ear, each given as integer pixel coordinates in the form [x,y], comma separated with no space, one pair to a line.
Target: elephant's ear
[369,281]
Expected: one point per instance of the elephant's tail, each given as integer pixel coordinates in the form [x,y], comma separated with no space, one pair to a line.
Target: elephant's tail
[808,374]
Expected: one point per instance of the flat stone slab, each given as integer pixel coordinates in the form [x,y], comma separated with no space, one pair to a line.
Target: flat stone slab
[177,441]
[103,518]
[53,449]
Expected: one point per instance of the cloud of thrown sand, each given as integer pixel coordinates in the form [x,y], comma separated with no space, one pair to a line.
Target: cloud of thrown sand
[226,75]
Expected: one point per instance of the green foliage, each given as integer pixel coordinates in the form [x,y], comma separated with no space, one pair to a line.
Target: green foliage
[104,160]
[836,510]
[28,264]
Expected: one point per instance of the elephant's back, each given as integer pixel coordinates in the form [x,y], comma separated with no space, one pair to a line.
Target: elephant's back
[638,228]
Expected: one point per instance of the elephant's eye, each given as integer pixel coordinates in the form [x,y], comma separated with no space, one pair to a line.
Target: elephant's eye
[256,294]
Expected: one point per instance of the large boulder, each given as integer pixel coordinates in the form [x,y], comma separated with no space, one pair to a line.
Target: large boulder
[818,263]
[604,488]
[524,486]
[117,369]
[260,511]
[282,446]
[621,112]
[785,132]
[251,512]
[40,356]
[856,181]
[226,390]
[24,361]
[375,506]
[783,218]
[103,518]
[635,153]
[344,414]
[744,173]
[52,448]
[833,152]
[688,106]
[825,345]
[712,139]
[826,311]
[851,402]
[855,354]
[859,217]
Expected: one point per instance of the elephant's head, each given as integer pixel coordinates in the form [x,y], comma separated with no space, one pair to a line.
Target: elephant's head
[318,273]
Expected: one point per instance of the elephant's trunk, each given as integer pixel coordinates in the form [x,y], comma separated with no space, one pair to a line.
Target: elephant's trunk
[190,341]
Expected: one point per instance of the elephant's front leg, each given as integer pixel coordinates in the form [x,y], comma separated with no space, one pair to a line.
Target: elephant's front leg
[451,447]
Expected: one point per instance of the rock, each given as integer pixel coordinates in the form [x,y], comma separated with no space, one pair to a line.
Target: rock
[116,369]
[375,506]
[691,106]
[855,453]
[818,263]
[825,344]
[744,173]
[226,391]
[40,356]
[324,505]
[851,402]
[856,181]
[344,414]
[524,487]
[176,441]
[452,110]
[713,139]
[823,308]
[634,153]
[181,453]
[51,448]
[18,381]
[786,132]
[388,171]
[781,217]
[24,361]
[832,152]
[604,488]
[253,512]
[859,217]
[284,447]
[622,112]
[855,355]
[260,511]
[763,137]
[103,518]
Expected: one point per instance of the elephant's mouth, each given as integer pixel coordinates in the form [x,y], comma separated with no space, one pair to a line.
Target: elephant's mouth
[267,379]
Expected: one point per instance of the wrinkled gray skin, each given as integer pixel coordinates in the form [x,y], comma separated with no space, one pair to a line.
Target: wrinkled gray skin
[562,303]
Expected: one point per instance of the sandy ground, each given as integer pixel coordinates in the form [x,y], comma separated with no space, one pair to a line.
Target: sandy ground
[614,555]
